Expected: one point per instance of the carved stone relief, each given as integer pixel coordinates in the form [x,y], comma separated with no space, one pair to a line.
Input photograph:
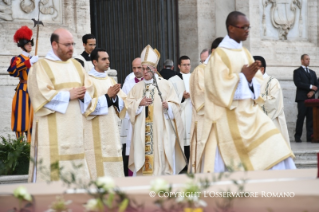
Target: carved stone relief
[27,9]
[45,8]
[283,15]
[5,10]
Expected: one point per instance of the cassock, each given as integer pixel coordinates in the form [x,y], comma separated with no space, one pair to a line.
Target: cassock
[103,148]
[236,131]
[58,126]
[129,77]
[181,84]
[155,149]
[273,105]
[197,97]
[85,60]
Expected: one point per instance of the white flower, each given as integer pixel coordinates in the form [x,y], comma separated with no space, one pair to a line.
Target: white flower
[59,205]
[202,203]
[22,193]
[158,185]
[107,183]
[191,194]
[92,205]
[191,185]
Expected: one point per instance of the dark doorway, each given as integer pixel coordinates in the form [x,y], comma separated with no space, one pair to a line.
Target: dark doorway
[125,27]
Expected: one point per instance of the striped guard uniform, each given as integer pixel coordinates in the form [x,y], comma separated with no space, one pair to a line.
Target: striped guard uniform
[21,105]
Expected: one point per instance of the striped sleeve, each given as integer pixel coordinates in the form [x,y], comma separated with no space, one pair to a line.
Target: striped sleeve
[17,65]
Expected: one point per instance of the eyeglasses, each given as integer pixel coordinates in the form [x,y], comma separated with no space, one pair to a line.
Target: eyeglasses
[67,44]
[243,27]
[147,69]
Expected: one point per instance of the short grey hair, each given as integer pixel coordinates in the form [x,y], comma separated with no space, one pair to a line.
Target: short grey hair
[203,51]
[168,63]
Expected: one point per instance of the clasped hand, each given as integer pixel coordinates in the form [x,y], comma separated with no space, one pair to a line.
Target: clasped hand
[186,95]
[310,94]
[250,71]
[146,101]
[114,90]
[77,93]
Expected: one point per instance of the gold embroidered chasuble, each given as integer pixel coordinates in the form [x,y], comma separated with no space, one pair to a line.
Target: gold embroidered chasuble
[154,147]
[197,97]
[239,128]
[103,149]
[273,105]
[58,137]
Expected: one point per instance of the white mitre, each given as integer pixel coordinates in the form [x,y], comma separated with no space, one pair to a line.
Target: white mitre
[150,56]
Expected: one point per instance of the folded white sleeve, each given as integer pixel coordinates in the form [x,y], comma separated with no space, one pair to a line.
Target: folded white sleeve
[169,112]
[139,110]
[257,88]
[243,91]
[102,107]
[60,102]
[121,103]
[86,102]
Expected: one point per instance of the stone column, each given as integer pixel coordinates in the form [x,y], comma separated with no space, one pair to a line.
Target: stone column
[188,29]
[200,23]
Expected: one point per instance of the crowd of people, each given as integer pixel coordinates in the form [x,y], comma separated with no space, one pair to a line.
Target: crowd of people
[226,113]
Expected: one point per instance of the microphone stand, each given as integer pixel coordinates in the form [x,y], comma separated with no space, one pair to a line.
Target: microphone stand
[166,112]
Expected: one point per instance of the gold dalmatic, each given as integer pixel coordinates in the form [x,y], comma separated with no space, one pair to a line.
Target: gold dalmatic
[149,150]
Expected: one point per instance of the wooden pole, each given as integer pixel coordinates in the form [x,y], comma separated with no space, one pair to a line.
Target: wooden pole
[30,106]
[37,41]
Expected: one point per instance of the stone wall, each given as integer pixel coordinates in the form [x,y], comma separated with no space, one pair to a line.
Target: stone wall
[282,56]
[73,15]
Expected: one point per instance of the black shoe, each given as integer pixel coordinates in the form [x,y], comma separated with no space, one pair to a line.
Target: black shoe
[298,140]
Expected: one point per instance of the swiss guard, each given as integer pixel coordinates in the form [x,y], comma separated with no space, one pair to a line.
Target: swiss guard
[21,116]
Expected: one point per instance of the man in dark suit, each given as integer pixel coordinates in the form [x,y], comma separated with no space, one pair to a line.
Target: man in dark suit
[168,70]
[306,82]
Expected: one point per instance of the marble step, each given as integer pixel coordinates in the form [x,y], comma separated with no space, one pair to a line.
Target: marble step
[306,164]
[306,155]
[13,179]
[306,159]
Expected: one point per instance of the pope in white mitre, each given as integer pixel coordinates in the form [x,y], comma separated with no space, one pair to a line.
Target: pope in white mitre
[156,148]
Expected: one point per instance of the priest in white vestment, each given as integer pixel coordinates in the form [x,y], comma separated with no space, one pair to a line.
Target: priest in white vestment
[197,97]
[129,77]
[101,132]
[181,86]
[236,132]
[89,43]
[60,91]
[155,148]
[273,105]
[126,126]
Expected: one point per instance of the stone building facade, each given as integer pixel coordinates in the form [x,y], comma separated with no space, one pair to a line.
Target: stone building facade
[281,37]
